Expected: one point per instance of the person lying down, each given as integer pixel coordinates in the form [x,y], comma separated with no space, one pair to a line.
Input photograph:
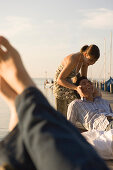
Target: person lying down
[96,115]
[92,112]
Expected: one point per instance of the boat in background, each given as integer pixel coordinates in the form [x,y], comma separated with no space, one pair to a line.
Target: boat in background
[48,83]
[108,82]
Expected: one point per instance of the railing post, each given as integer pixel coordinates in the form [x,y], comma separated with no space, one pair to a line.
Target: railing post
[97,84]
[111,88]
[105,87]
[100,85]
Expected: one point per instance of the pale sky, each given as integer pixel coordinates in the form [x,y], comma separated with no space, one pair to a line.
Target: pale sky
[45,31]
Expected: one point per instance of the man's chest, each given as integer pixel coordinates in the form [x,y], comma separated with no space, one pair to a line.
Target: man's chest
[93,107]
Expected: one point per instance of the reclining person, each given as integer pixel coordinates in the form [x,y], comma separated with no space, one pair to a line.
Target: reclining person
[92,112]
[41,138]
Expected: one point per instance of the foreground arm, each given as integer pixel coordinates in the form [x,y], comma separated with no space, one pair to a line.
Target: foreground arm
[51,141]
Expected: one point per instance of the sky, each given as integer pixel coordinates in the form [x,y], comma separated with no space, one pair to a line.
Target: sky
[44,32]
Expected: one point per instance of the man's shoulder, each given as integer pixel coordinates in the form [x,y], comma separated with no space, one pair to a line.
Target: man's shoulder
[73,107]
[102,100]
[76,101]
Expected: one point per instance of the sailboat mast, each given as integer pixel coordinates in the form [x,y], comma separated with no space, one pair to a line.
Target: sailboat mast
[104,60]
[110,54]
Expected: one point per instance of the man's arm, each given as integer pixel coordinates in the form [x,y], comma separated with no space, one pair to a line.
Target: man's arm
[72,113]
[84,70]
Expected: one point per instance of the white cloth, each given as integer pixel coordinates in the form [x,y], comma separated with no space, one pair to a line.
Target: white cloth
[102,141]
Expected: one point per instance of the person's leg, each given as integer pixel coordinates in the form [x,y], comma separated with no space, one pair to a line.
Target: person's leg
[61,106]
[9,95]
[51,141]
[12,68]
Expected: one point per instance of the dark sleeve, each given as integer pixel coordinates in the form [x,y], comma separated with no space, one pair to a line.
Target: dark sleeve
[51,141]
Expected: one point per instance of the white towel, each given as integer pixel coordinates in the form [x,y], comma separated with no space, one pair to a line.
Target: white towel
[102,141]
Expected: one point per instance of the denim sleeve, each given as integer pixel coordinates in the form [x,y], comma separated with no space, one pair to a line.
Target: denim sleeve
[51,141]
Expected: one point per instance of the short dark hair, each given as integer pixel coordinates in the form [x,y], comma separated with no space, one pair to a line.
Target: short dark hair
[79,80]
[77,84]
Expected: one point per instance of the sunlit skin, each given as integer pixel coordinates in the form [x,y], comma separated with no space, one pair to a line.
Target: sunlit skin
[78,61]
[9,95]
[88,59]
[14,77]
[12,68]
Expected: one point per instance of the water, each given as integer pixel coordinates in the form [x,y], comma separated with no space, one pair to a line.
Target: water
[5,112]
[48,92]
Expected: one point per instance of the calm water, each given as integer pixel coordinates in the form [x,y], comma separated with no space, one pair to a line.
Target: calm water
[5,112]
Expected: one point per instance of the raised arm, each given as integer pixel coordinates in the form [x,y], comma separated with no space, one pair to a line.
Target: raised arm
[70,64]
[84,70]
